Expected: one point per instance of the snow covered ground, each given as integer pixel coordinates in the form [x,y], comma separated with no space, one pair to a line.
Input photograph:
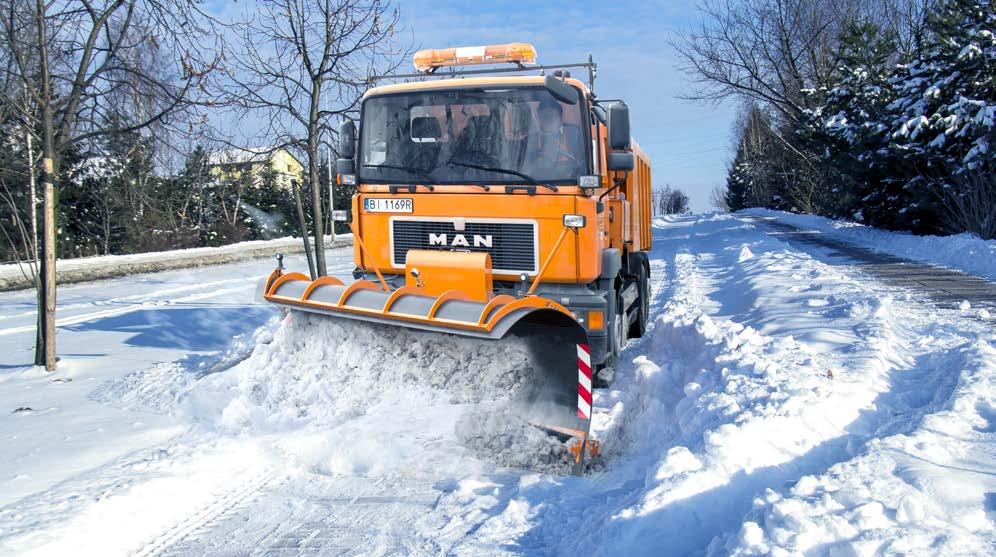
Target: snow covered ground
[781,403]
[961,252]
[15,276]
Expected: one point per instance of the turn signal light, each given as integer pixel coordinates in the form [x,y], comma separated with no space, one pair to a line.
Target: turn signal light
[430,59]
[596,320]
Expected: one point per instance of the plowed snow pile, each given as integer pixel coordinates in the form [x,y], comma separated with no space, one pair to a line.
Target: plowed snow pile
[319,373]
[502,438]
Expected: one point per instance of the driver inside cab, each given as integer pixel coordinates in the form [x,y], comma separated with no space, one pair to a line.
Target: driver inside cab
[551,144]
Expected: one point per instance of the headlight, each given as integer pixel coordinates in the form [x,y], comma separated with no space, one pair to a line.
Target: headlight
[574,221]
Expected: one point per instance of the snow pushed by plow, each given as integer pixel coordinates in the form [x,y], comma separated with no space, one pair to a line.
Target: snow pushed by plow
[316,373]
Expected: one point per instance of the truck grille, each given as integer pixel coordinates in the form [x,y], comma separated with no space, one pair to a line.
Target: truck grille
[512,245]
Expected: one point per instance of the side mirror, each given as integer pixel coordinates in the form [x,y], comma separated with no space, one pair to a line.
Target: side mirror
[347,139]
[345,166]
[561,90]
[618,124]
[620,160]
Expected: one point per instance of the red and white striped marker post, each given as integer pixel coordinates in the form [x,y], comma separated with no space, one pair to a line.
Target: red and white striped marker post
[584,381]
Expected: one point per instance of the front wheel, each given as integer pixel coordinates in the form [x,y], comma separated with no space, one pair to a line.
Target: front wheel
[616,340]
[639,326]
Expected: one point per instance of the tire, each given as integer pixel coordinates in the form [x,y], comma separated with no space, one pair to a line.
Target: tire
[639,327]
[617,340]
[615,343]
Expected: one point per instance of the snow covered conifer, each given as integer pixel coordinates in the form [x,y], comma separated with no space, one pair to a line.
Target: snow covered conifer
[942,121]
[848,127]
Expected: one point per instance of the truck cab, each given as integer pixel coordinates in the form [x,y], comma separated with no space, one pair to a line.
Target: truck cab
[493,186]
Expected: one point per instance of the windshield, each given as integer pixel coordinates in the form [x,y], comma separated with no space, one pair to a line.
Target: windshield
[468,136]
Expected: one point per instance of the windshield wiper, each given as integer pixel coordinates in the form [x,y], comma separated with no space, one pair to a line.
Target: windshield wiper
[409,169]
[526,177]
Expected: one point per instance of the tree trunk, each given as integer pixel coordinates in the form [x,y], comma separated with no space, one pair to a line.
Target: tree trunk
[48,270]
[316,187]
[304,228]
[33,216]
[45,353]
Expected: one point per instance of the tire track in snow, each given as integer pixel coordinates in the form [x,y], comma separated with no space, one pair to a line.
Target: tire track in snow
[201,520]
[160,494]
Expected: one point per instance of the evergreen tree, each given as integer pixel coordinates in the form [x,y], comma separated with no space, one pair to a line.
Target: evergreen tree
[943,118]
[753,179]
[847,130]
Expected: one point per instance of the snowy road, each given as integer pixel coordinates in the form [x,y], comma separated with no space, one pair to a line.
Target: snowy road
[107,329]
[947,288]
[782,400]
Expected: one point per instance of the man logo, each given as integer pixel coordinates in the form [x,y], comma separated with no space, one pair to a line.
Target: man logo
[460,241]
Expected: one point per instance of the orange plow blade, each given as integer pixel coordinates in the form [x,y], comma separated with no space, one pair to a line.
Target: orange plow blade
[558,400]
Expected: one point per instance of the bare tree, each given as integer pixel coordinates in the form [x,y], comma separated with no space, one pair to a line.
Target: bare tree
[906,23]
[294,55]
[72,58]
[766,50]
[970,203]
[717,197]
[670,201]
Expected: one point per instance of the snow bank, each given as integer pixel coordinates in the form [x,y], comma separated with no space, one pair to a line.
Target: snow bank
[896,498]
[764,369]
[962,252]
[13,277]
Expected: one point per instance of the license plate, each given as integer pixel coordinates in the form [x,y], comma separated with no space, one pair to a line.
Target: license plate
[388,205]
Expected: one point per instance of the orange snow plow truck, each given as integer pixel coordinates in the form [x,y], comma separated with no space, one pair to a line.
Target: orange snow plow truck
[492,202]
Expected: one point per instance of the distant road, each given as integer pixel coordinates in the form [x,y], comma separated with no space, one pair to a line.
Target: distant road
[945,287]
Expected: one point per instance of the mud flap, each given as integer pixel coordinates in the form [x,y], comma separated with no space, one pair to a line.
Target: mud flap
[559,397]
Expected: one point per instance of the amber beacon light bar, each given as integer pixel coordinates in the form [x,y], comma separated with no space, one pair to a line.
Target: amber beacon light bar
[522,57]
[429,60]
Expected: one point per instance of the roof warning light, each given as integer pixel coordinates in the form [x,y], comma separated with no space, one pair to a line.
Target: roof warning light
[516,53]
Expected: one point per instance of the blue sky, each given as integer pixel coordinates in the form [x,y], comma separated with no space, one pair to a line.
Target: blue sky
[688,143]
